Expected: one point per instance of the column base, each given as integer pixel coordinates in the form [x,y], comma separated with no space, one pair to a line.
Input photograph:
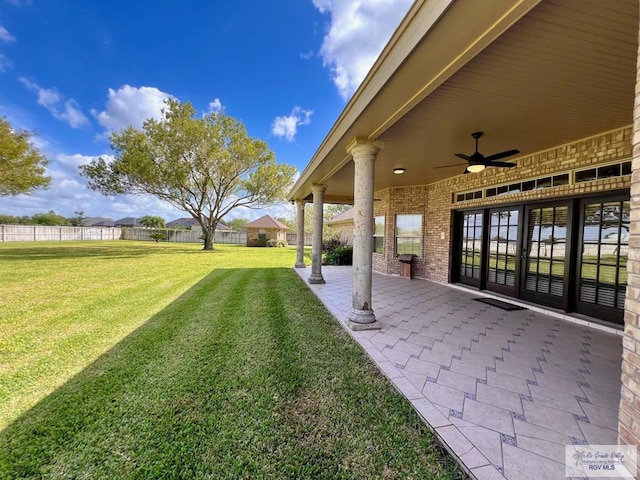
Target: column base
[316,279]
[300,265]
[363,320]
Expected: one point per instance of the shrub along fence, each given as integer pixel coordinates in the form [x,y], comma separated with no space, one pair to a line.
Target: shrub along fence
[38,233]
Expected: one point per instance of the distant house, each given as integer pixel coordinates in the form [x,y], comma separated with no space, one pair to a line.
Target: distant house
[97,222]
[128,222]
[343,225]
[190,223]
[264,229]
[106,222]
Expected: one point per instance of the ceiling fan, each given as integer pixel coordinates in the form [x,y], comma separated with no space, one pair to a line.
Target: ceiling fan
[476,162]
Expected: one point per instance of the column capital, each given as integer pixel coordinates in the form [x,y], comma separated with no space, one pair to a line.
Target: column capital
[300,202]
[317,187]
[364,146]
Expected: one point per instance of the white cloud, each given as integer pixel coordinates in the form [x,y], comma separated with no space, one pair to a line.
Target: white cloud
[357,33]
[287,127]
[65,110]
[5,63]
[131,106]
[5,36]
[306,55]
[216,106]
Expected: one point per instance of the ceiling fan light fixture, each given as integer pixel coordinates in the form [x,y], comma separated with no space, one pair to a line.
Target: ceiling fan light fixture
[475,168]
[399,170]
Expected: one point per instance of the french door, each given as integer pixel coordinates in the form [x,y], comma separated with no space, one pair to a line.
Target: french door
[602,265]
[502,252]
[471,242]
[544,254]
[570,254]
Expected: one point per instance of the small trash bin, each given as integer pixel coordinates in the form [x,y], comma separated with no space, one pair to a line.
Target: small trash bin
[405,264]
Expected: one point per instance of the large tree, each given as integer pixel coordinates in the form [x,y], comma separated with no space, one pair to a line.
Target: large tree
[22,167]
[152,221]
[204,166]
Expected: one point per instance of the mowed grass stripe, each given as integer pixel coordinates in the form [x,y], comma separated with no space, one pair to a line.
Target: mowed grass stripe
[244,375]
[128,402]
[52,328]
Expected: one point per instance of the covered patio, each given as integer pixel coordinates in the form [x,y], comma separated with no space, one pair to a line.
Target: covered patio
[504,390]
[553,88]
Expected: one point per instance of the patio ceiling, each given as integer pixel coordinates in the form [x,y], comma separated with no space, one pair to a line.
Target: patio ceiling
[530,75]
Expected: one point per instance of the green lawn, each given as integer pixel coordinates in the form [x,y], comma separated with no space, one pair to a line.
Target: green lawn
[142,360]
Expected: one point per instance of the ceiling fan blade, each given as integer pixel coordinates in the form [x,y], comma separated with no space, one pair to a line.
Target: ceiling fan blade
[452,165]
[501,164]
[463,156]
[498,156]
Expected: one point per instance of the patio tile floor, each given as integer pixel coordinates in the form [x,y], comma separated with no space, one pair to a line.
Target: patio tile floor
[504,390]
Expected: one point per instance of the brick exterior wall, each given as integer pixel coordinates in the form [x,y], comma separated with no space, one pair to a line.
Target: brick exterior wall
[629,413]
[272,234]
[344,230]
[435,201]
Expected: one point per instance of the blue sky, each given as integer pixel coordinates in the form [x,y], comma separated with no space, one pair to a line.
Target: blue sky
[76,70]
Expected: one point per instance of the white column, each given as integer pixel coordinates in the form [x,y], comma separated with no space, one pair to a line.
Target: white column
[364,155]
[316,242]
[300,242]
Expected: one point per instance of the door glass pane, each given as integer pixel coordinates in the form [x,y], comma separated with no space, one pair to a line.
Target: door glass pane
[605,243]
[502,247]
[545,250]
[471,251]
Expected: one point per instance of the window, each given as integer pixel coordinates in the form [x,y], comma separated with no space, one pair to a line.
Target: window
[408,234]
[378,234]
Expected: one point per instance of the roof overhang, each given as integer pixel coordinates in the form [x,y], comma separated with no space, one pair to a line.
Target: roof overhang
[530,74]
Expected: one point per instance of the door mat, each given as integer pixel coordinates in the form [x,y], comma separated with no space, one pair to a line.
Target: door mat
[499,304]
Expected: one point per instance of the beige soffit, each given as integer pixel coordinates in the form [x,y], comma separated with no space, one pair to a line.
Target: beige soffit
[434,40]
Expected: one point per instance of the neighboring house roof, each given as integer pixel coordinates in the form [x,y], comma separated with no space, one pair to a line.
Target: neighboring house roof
[94,221]
[185,222]
[127,222]
[103,223]
[344,217]
[266,222]
[188,222]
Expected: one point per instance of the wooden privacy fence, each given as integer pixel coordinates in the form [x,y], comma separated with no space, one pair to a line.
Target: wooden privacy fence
[184,236]
[38,233]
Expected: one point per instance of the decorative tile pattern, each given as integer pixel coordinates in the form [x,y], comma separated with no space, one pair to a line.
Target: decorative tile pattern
[579,441]
[581,417]
[508,439]
[518,416]
[470,396]
[455,414]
